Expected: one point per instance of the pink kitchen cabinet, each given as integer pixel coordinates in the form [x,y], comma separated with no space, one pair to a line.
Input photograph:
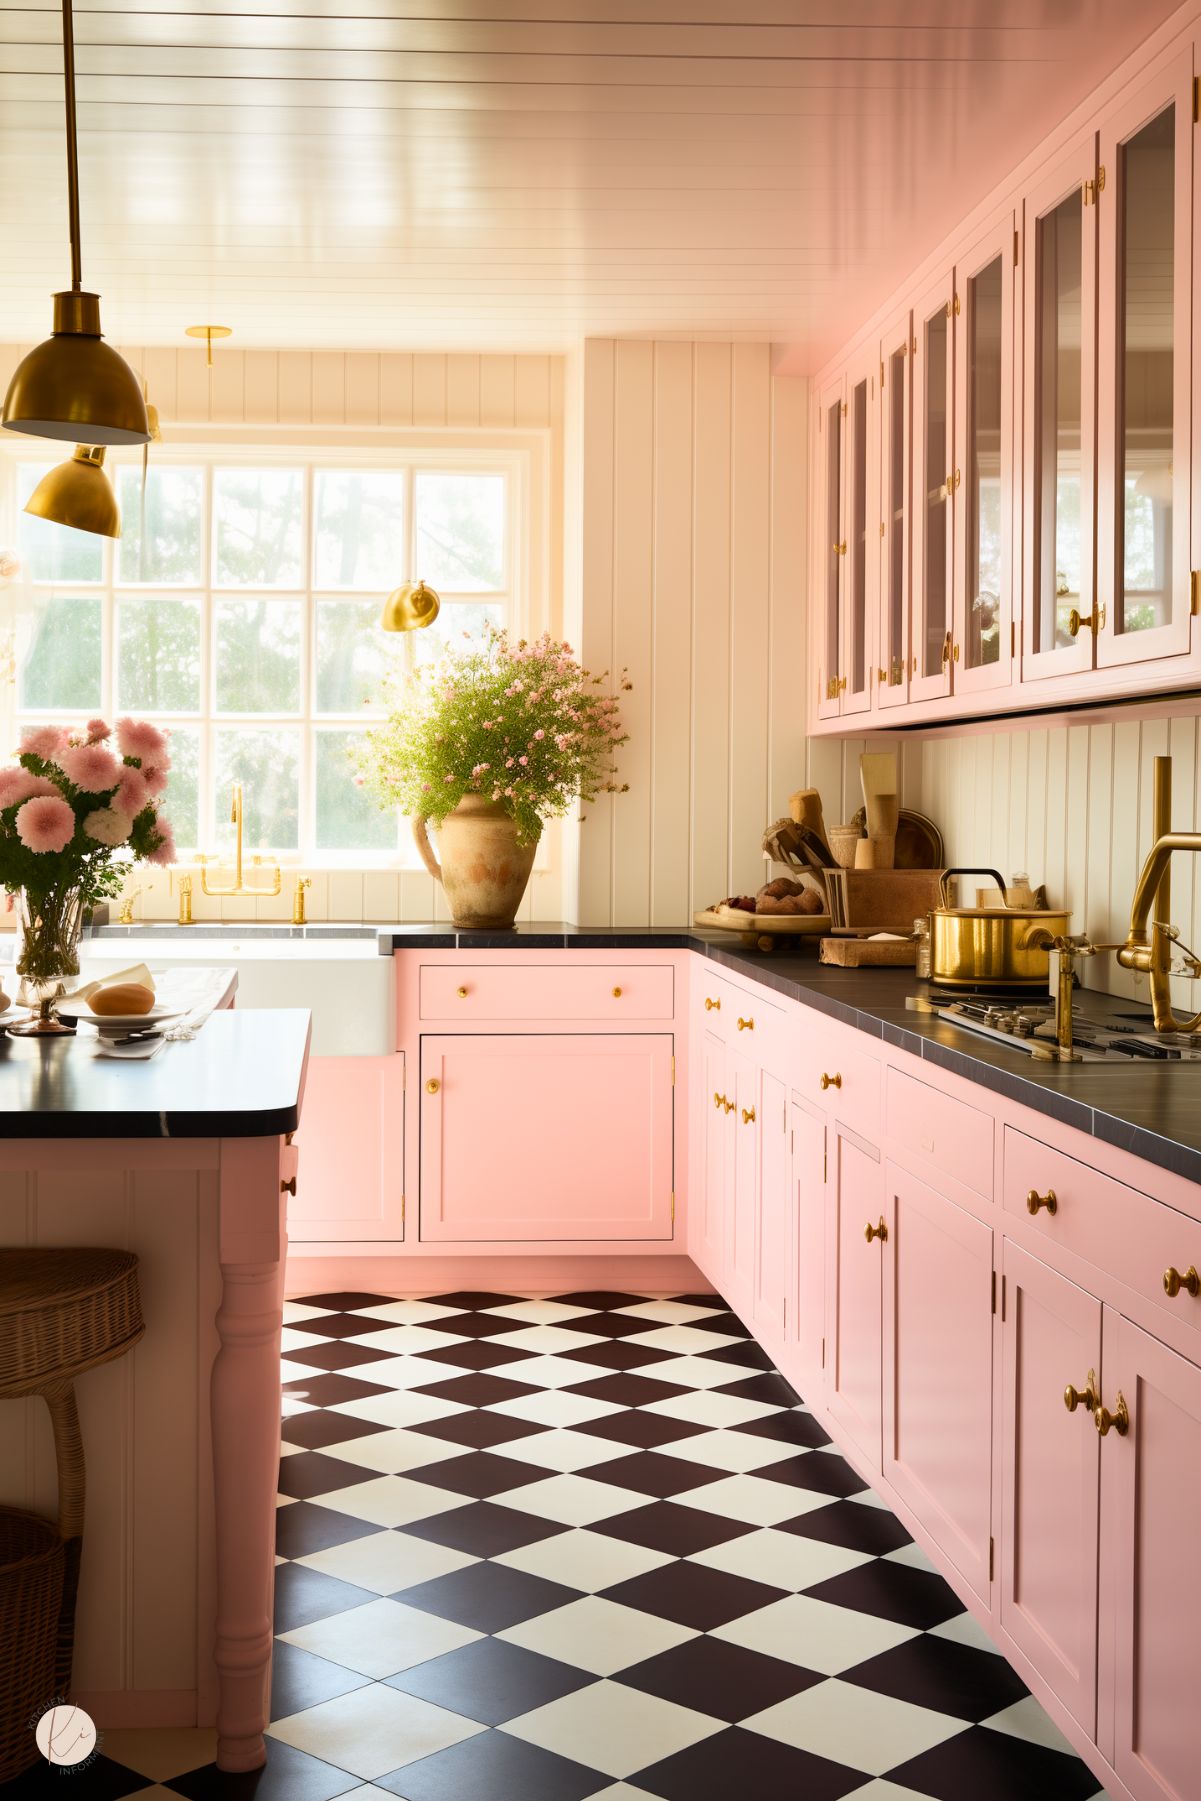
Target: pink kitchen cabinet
[937,1319]
[770,1302]
[855,1201]
[710,1215]
[352,1137]
[742,1079]
[1051,1338]
[547,1137]
[1150,1572]
[806,1335]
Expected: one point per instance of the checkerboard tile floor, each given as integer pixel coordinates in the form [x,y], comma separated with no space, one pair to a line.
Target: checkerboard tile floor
[541,1550]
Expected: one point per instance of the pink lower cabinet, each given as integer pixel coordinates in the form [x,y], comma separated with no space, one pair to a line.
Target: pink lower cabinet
[742,1077]
[1150,1570]
[1050,1340]
[707,1212]
[553,1137]
[855,1291]
[806,1333]
[772,1225]
[351,1140]
[938,1369]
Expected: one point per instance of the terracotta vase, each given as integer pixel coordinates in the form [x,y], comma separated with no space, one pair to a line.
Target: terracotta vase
[484,870]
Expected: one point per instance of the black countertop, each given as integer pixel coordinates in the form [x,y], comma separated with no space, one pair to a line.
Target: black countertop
[1153,1112]
[242,1076]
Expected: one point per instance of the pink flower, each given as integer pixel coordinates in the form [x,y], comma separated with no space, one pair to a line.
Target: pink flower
[523,761]
[16,784]
[42,741]
[98,730]
[90,767]
[133,791]
[155,777]
[107,826]
[164,852]
[46,823]
[539,735]
[138,738]
[479,770]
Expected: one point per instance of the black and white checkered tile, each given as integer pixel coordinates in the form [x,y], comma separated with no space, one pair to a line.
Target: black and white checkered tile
[594,1546]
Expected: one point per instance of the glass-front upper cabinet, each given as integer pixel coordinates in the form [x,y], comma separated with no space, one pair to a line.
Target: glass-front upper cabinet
[896,364]
[862,522]
[934,479]
[1059,466]
[1144,197]
[831,553]
[983,314]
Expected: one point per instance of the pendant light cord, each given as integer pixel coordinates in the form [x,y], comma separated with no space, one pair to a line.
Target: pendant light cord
[72,146]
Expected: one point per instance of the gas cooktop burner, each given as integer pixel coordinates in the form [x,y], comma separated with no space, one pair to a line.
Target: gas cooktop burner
[1030,1023]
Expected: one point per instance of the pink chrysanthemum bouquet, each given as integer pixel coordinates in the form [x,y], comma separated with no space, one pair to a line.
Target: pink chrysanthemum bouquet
[74,814]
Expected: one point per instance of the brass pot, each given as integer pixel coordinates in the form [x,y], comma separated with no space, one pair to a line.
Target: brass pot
[994,947]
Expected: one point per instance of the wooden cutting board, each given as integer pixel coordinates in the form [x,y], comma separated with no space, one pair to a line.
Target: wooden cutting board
[865,953]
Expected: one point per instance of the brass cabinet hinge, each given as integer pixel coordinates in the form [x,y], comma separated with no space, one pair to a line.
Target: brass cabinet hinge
[1101,179]
[402,1210]
[992,1554]
[1088,193]
[673,1072]
[1195,591]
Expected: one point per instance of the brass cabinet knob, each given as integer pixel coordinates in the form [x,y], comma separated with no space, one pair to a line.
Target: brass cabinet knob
[1173,1282]
[728,1105]
[1086,1397]
[834,1081]
[746,1025]
[716,1099]
[712,1006]
[617,994]
[880,1231]
[1035,1200]
[433,1085]
[1119,1419]
[881,675]
[288,1187]
[748,1116]
[462,993]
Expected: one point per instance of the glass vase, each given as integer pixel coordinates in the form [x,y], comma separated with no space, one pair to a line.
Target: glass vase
[49,927]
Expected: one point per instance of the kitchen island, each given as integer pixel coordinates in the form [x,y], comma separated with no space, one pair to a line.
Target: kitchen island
[186,1160]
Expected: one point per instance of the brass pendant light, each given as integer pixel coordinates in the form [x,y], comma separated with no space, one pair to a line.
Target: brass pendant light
[410,607]
[75,386]
[79,494]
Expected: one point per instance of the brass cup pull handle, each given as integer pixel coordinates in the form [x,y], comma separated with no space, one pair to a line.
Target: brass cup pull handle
[1082,1397]
[880,1231]
[834,1081]
[712,1006]
[1035,1200]
[1174,1282]
[748,1116]
[746,1025]
[288,1187]
[433,1085]
[1119,1419]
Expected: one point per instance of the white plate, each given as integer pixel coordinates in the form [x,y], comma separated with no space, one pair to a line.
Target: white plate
[117,1024]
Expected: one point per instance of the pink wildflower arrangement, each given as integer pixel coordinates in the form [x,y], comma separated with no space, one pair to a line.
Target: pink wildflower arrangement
[74,814]
[519,723]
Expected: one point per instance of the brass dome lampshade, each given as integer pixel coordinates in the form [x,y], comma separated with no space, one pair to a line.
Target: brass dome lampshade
[79,494]
[410,607]
[74,386]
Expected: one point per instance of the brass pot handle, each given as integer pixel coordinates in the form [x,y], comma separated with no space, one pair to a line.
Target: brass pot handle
[944,880]
[1086,1397]
[880,1231]
[1035,1200]
[1173,1281]
[1119,1419]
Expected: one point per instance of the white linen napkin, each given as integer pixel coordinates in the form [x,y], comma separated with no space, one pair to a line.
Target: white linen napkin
[137,972]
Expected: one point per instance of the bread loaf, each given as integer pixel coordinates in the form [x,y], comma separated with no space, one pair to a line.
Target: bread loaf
[122,998]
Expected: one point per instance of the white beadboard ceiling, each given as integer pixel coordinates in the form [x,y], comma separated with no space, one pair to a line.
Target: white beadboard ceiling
[485,174]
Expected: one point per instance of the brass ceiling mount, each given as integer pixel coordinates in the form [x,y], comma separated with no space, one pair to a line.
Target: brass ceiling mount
[74,386]
[208,333]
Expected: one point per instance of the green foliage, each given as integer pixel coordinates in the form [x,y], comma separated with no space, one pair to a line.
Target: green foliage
[62,668]
[517,723]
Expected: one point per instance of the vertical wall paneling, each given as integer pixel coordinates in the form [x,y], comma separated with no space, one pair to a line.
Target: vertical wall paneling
[787,684]
[712,573]
[750,569]
[595,902]
[671,649]
[632,636]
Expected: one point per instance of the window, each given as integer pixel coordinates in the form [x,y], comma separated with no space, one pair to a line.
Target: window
[240,609]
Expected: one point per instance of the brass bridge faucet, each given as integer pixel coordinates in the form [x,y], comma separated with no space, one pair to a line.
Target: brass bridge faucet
[239,886]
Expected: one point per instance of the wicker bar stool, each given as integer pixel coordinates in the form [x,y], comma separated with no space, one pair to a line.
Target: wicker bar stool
[61,1312]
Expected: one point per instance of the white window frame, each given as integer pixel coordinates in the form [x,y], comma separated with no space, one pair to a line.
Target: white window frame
[524,599]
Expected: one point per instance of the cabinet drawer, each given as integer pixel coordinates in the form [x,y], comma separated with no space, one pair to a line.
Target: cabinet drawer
[612,992]
[939,1131]
[1119,1229]
[743,1017]
[838,1073]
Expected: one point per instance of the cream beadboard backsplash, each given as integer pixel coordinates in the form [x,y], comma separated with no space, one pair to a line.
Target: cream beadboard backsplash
[1069,803]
